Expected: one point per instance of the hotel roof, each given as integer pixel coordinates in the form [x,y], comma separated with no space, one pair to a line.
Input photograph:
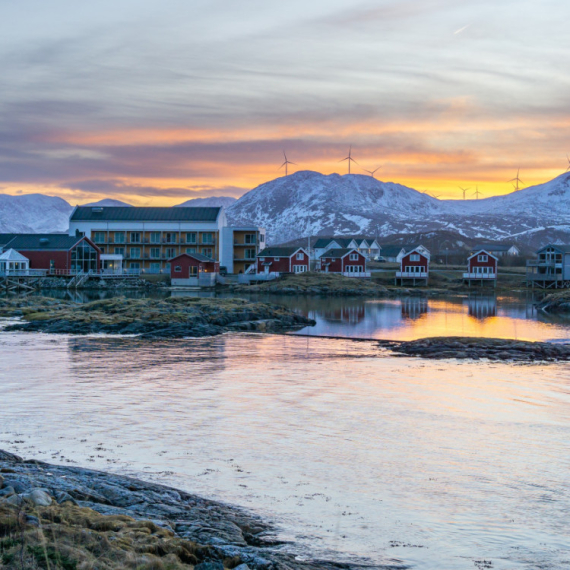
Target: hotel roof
[131,214]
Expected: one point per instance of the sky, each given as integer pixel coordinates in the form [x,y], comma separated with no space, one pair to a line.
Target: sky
[156,102]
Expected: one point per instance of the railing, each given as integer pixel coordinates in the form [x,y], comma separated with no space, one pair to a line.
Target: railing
[23,273]
[409,275]
[544,263]
[479,276]
[357,274]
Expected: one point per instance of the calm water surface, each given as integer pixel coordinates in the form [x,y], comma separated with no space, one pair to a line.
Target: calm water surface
[437,465]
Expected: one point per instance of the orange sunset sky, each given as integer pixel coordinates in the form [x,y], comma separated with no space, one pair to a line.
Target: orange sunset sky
[156,103]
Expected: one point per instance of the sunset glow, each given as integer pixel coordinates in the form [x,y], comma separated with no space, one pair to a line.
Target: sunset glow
[152,106]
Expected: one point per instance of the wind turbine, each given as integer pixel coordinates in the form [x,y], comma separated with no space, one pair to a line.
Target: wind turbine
[517,180]
[286,163]
[371,172]
[349,158]
[464,190]
[477,193]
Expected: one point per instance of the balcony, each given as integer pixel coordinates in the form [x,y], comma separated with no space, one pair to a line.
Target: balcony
[410,275]
[479,276]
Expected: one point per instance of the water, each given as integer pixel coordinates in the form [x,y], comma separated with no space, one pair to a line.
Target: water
[438,465]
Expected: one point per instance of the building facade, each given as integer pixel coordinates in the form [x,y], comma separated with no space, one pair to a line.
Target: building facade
[342,261]
[551,269]
[481,268]
[147,238]
[282,260]
[414,268]
[193,270]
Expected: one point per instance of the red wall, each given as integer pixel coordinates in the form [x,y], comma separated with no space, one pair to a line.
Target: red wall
[284,265]
[474,262]
[41,259]
[407,262]
[360,261]
[334,266]
[339,265]
[185,262]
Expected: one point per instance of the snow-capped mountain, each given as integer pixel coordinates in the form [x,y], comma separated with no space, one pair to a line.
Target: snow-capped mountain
[309,203]
[109,203]
[213,202]
[33,213]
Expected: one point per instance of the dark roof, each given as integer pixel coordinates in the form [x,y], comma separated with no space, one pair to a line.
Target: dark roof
[477,252]
[342,241]
[338,252]
[278,251]
[561,248]
[390,250]
[493,246]
[5,239]
[322,242]
[26,242]
[131,214]
[196,256]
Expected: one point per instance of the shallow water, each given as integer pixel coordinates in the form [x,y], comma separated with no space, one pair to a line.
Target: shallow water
[438,465]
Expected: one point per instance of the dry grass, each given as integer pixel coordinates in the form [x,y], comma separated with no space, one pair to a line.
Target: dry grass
[68,537]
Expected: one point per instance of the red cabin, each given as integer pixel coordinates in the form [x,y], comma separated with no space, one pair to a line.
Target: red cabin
[282,260]
[481,268]
[342,261]
[58,254]
[414,267]
[193,269]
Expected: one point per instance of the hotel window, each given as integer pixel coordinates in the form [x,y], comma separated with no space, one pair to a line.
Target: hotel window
[170,252]
[155,252]
[249,254]
[191,238]
[177,269]
[155,267]
[99,237]
[119,237]
[135,237]
[135,252]
[208,238]
[154,237]
[119,251]
[190,250]
[261,238]
[415,257]
[207,251]
[250,239]
[170,237]
[134,265]
[483,258]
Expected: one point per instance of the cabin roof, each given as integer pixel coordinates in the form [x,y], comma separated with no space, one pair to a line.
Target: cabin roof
[43,242]
[279,251]
[561,248]
[196,256]
[494,246]
[339,252]
[134,214]
[12,255]
[391,250]
[482,251]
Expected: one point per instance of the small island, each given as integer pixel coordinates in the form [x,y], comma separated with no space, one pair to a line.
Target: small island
[174,317]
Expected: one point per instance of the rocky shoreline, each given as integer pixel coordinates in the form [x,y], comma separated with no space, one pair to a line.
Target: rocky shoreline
[555,303]
[71,518]
[149,318]
[475,348]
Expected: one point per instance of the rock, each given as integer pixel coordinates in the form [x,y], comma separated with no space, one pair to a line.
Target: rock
[242,567]
[1,481]
[7,491]
[209,566]
[32,520]
[15,500]
[38,497]
[63,497]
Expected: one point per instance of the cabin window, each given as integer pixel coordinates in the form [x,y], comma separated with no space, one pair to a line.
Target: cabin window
[299,268]
[262,259]
[300,256]
[193,270]
[354,257]
[415,257]
[276,258]
[483,258]
[177,269]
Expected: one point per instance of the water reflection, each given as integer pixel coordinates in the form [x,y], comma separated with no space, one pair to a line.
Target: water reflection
[414,307]
[482,307]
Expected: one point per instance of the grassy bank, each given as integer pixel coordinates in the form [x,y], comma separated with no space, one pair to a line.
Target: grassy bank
[171,317]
